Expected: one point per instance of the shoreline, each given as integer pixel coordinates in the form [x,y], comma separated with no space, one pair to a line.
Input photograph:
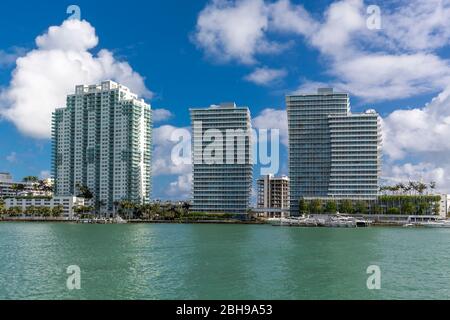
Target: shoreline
[227,222]
[63,220]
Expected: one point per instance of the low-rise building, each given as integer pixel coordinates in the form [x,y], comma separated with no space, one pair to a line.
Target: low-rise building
[273,196]
[8,187]
[68,203]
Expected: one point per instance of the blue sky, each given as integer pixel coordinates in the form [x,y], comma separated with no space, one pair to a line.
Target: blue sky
[198,53]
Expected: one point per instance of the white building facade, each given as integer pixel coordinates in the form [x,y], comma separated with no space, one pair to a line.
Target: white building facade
[333,153]
[102,139]
[224,184]
[67,203]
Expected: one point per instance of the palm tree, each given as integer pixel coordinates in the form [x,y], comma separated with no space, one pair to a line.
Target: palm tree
[17,187]
[128,206]
[84,191]
[432,186]
[421,187]
[186,206]
[401,187]
[115,206]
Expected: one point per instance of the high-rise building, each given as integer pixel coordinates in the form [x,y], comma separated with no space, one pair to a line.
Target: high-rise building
[102,140]
[333,153]
[273,195]
[222,159]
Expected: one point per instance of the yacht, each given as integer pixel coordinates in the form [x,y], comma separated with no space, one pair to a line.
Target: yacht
[118,219]
[435,224]
[341,222]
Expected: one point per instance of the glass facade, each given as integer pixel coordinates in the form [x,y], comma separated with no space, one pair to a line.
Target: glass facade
[332,152]
[223,185]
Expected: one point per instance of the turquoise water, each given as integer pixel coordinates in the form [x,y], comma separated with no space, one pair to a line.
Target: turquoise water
[173,261]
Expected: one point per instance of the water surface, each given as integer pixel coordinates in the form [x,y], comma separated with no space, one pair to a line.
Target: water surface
[172,261]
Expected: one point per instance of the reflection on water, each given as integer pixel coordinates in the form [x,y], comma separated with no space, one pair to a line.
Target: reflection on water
[221,262]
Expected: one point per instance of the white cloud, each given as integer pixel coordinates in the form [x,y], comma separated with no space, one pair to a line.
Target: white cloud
[286,17]
[44,76]
[423,171]
[234,30]
[398,61]
[265,76]
[161,115]
[420,135]
[418,25]
[45,174]
[12,157]
[419,131]
[163,163]
[387,77]
[273,119]
[181,188]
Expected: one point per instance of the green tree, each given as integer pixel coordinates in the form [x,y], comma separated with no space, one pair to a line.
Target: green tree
[408,207]
[18,187]
[316,206]
[31,211]
[303,207]
[423,207]
[346,206]
[57,211]
[393,211]
[84,191]
[331,207]
[436,208]
[46,211]
[376,209]
[15,211]
[361,207]
[2,207]
[128,207]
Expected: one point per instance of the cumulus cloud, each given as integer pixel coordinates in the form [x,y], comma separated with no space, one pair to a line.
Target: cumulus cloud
[266,76]
[164,144]
[420,135]
[45,174]
[61,60]
[181,188]
[398,61]
[273,119]
[160,115]
[423,171]
[234,30]
[419,25]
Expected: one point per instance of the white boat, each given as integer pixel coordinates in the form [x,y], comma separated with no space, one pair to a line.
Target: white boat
[119,220]
[435,224]
[409,225]
[341,222]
